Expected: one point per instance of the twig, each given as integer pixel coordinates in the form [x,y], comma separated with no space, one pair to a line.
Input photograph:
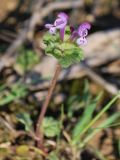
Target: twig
[8,126]
[37,17]
[9,34]
[61,5]
[76,72]
[5,38]
[112,89]
[45,11]
[39,133]
[16,133]
[22,36]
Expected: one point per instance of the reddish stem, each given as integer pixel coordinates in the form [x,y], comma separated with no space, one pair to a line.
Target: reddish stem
[39,133]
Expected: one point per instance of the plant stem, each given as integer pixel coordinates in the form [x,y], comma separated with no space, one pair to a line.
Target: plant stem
[39,133]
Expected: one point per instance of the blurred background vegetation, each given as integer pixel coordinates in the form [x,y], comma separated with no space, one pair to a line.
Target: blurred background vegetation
[82,91]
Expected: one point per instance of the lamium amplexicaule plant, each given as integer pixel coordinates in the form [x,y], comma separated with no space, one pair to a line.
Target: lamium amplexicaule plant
[64,42]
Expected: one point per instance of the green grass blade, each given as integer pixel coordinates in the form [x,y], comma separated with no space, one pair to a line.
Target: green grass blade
[97,117]
[87,115]
[107,123]
[119,147]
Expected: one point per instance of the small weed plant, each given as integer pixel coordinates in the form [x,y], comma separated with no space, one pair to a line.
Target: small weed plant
[63,42]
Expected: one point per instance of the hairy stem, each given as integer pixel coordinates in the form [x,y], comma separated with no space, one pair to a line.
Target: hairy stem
[39,133]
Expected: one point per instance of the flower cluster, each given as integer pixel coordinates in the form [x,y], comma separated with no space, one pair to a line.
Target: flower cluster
[65,44]
[79,35]
[60,23]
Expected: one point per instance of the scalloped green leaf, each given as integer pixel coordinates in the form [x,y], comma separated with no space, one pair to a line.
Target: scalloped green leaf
[48,38]
[72,54]
[25,119]
[51,127]
[67,53]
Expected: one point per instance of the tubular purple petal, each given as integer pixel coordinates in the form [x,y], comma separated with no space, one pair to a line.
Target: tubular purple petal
[85,25]
[48,26]
[74,35]
[63,16]
[60,23]
[83,32]
[52,30]
[83,29]
[81,41]
[72,29]
[62,33]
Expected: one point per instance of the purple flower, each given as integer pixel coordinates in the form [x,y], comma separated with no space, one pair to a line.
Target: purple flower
[52,28]
[74,33]
[81,41]
[60,23]
[82,33]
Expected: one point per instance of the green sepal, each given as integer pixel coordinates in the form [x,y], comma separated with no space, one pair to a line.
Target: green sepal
[67,52]
[71,57]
